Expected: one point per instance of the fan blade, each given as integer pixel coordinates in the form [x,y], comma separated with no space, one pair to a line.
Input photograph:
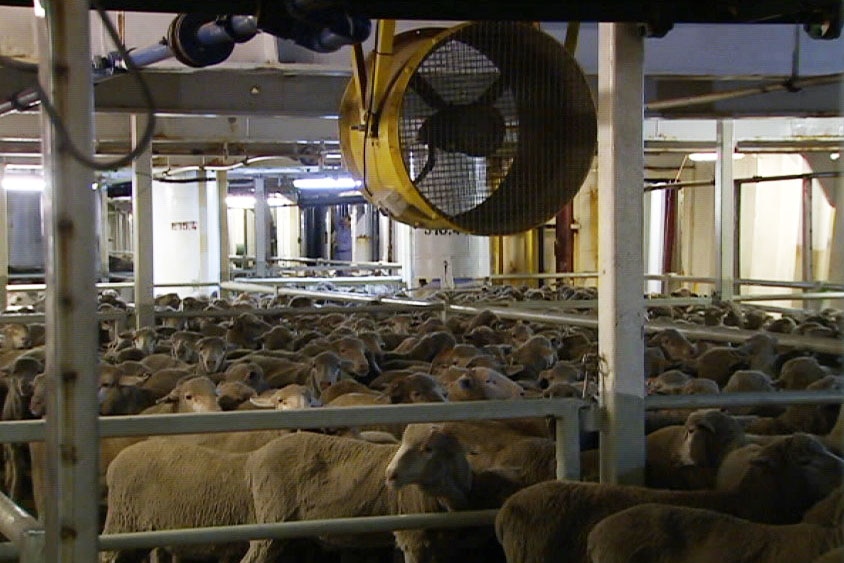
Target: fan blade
[427,92]
[492,93]
[429,165]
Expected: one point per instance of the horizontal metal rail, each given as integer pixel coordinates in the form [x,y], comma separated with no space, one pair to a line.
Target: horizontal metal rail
[338,280]
[762,398]
[324,417]
[288,311]
[9,318]
[304,528]
[790,297]
[23,287]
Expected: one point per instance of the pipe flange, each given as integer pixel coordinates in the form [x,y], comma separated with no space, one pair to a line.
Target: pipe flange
[182,38]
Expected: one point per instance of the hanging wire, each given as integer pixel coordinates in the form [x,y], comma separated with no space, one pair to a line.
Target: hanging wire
[62,133]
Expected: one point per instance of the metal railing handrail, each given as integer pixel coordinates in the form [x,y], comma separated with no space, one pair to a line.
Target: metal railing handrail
[759,398]
[298,528]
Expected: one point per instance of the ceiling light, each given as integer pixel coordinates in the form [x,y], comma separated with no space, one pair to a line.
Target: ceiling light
[711,156]
[240,201]
[342,183]
[21,183]
[834,156]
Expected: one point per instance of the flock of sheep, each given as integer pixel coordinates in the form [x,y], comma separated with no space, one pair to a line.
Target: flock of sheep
[751,484]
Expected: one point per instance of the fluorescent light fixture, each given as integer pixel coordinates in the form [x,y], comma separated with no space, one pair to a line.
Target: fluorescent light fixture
[711,156]
[21,183]
[39,10]
[240,201]
[342,183]
[834,156]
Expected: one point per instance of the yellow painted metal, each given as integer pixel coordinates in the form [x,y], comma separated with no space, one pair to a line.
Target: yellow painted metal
[372,148]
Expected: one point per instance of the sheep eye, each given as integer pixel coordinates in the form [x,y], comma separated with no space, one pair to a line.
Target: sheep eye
[427,449]
[188,397]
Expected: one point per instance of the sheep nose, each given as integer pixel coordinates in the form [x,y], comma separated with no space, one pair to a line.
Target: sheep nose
[465,382]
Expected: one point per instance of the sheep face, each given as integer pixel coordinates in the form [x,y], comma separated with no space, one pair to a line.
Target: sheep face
[708,434]
[290,397]
[327,368]
[433,459]
[198,394]
[212,353]
[145,339]
[38,401]
[16,336]
[248,373]
[183,346]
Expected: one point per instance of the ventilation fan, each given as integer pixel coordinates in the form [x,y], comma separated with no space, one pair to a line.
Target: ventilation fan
[486,128]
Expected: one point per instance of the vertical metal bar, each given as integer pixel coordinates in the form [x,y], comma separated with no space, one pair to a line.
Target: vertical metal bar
[70,209]
[567,434]
[621,270]
[725,211]
[202,220]
[105,233]
[806,235]
[564,245]
[4,242]
[142,238]
[262,240]
[33,547]
[223,191]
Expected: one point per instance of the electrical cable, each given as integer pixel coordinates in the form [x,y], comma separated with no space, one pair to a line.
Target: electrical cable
[61,130]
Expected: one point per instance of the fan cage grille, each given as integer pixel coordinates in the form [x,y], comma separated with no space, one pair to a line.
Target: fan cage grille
[532,162]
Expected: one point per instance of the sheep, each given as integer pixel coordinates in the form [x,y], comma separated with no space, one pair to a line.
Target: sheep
[815,419]
[799,373]
[306,476]
[833,556]
[551,520]
[290,397]
[679,534]
[285,479]
[345,386]
[183,345]
[688,457]
[751,381]
[196,394]
[212,355]
[718,363]
[232,394]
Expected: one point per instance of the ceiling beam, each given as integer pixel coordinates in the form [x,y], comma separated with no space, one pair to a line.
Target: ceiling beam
[685,11]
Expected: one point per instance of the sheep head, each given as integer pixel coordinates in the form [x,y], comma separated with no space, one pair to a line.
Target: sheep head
[434,460]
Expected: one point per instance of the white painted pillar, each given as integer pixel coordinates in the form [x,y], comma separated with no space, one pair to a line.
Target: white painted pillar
[203,226]
[262,233]
[71,520]
[621,265]
[223,211]
[142,228]
[4,242]
[105,232]
[725,211]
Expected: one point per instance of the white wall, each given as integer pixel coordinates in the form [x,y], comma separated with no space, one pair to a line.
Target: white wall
[177,255]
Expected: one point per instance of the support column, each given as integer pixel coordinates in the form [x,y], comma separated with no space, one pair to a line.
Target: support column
[725,212]
[142,229]
[222,193]
[621,266]
[71,519]
[203,220]
[105,232]
[4,242]
[262,234]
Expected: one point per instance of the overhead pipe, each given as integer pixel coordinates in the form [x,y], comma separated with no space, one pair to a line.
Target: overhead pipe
[195,40]
[787,85]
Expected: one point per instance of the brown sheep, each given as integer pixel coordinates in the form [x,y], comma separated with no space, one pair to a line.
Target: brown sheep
[345,386]
[551,521]
[799,373]
[680,534]
[196,394]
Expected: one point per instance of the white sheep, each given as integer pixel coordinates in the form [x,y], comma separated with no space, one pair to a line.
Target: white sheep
[550,521]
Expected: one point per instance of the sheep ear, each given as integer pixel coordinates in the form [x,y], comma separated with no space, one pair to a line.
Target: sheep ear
[706,425]
[167,399]
[262,402]
[514,369]
[133,380]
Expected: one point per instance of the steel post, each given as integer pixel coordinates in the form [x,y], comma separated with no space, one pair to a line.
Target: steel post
[223,210]
[142,238]
[4,243]
[203,225]
[262,239]
[725,212]
[105,232]
[621,282]
[71,518]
